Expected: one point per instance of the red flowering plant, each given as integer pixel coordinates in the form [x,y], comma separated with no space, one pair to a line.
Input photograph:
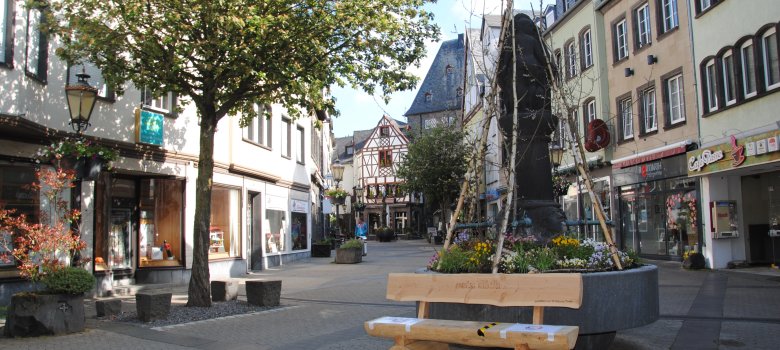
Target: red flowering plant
[49,245]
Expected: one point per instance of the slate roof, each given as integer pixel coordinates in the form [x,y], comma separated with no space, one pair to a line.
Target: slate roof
[439,83]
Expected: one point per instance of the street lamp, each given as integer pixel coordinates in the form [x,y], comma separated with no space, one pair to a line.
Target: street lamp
[556,155]
[338,174]
[81,100]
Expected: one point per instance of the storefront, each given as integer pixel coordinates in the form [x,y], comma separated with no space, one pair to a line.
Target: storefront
[286,227]
[740,182]
[658,205]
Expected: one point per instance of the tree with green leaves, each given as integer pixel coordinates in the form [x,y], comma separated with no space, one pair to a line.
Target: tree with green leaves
[224,56]
[435,165]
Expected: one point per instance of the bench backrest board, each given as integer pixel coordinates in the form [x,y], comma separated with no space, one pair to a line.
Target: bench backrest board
[553,289]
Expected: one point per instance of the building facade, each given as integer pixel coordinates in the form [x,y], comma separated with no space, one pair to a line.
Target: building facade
[738,163]
[267,176]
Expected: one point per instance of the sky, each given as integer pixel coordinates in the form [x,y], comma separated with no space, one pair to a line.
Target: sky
[360,111]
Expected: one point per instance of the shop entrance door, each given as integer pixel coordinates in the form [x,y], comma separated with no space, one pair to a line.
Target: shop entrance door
[256,229]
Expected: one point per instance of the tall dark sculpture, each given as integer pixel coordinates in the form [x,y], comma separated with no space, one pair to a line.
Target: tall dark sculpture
[533,178]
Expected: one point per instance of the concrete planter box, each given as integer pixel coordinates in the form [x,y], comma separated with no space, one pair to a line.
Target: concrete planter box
[611,301]
[32,315]
[320,250]
[349,255]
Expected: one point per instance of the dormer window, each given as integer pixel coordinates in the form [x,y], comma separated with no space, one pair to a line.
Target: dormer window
[449,69]
[459,91]
[428,96]
[350,150]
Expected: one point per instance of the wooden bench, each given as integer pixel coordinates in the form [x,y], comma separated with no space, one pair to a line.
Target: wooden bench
[504,290]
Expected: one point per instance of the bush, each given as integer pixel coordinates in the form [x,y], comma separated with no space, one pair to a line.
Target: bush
[453,260]
[69,280]
[352,243]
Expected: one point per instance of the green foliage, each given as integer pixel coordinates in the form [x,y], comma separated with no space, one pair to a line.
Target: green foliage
[543,259]
[352,243]
[69,280]
[435,164]
[453,260]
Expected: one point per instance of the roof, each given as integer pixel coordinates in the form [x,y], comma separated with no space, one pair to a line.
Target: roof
[441,85]
[357,140]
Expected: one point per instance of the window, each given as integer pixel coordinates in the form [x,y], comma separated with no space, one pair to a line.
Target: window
[711,86]
[299,154]
[276,238]
[626,118]
[161,208]
[298,228]
[676,99]
[6,32]
[449,69]
[384,131]
[428,96]
[37,46]
[225,230]
[643,37]
[770,59]
[259,128]
[621,44]
[669,15]
[558,63]
[16,194]
[729,80]
[571,60]
[95,78]
[430,123]
[590,111]
[350,149]
[587,49]
[286,135]
[163,102]
[748,69]
[560,134]
[650,122]
[385,158]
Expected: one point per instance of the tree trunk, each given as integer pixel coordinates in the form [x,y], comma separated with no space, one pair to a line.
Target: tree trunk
[199,292]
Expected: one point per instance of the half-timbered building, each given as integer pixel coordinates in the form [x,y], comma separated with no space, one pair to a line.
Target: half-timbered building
[376,164]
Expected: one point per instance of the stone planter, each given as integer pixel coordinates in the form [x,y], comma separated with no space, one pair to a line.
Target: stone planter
[384,235]
[611,301]
[264,293]
[32,315]
[319,250]
[349,255]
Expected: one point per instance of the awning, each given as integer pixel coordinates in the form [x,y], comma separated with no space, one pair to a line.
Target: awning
[651,155]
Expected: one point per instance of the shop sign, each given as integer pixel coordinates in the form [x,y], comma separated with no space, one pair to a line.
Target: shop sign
[149,127]
[652,170]
[757,149]
[298,206]
[275,202]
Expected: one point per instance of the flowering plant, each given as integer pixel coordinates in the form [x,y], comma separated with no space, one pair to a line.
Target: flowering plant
[47,246]
[526,254]
[336,193]
[74,147]
[560,185]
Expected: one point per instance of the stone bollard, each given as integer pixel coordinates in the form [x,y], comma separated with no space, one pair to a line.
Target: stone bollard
[108,307]
[263,293]
[223,290]
[152,305]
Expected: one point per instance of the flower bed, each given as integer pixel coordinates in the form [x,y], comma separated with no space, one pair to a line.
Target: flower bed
[526,254]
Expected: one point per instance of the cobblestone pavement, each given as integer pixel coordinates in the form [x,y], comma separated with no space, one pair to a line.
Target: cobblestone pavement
[324,306]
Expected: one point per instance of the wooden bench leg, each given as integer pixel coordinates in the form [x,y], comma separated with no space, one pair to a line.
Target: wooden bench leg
[522,347]
[402,343]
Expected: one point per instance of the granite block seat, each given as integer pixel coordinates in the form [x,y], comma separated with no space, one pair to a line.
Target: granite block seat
[153,305]
[264,293]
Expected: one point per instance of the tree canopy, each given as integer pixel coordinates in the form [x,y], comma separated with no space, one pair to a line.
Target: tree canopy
[435,165]
[227,55]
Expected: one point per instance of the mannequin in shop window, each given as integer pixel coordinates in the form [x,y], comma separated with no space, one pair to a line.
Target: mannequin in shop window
[167,249]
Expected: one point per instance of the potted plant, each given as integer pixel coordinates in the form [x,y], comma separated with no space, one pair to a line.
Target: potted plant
[85,156]
[321,249]
[607,291]
[44,251]
[384,234]
[337,195]
[351,252]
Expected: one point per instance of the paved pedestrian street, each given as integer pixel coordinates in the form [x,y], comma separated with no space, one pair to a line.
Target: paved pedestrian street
[324,306]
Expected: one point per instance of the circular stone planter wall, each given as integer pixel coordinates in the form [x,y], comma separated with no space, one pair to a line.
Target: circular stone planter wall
[611,301]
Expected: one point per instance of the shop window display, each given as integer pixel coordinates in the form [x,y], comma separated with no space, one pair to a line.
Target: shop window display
[160,226]
[225,227]
[275,239]
[16,194]
[298,233]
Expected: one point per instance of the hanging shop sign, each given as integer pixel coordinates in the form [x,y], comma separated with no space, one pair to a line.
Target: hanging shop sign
[737,153]
[149,127]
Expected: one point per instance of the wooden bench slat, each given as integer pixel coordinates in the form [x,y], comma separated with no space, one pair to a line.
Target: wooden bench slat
[465,332]
[557,290]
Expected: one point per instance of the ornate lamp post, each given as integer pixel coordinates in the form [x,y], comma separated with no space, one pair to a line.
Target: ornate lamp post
[81,100]
[338,174]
